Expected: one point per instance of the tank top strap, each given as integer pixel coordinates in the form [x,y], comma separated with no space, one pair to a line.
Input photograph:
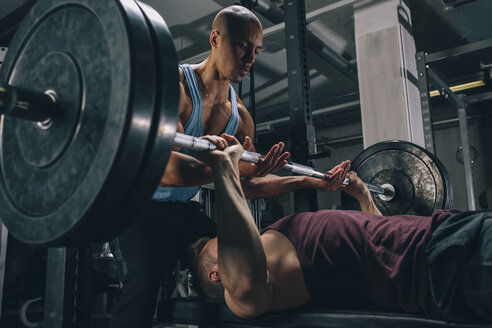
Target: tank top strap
[233,123]
[194,125]
[193,128]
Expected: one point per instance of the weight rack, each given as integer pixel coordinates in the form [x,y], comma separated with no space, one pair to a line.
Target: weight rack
[429,75]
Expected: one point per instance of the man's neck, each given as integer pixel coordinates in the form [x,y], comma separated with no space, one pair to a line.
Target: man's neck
[210,82]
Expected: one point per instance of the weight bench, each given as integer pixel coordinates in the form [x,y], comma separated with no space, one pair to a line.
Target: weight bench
[214,313]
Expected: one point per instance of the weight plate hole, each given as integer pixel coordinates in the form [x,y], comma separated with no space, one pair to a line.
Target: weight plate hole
[389,197]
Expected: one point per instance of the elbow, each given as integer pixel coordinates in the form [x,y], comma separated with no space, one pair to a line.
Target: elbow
[247,315]
[249,308]
[186,174]
[166,180]
[244,290]
[249,300]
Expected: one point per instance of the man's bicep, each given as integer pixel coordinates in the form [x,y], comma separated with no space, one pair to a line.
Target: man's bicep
[171,176]
[183,171]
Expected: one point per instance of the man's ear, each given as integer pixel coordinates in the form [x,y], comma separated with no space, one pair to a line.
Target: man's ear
[214,35]
[213,275]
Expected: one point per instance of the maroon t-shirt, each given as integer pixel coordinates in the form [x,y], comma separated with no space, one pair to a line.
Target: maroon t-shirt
[350,257]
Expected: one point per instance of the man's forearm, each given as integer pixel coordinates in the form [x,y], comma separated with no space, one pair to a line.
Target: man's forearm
[366,203]
[273,185]
[185,171]
[369,206]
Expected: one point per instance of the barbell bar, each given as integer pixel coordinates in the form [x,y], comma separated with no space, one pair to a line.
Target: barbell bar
[38,106]
[198,144]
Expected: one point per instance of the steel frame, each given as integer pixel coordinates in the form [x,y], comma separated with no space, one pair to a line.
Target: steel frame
[428,75]
[302,131]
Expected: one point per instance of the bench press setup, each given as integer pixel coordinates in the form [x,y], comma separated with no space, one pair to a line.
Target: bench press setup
[85,139]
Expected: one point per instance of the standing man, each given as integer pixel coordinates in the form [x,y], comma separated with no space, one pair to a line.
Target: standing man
[149,249]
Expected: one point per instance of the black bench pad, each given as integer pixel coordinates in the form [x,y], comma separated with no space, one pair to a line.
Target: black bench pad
[212,313]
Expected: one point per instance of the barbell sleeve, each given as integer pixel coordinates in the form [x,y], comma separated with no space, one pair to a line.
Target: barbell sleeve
[199,144]
[26,104]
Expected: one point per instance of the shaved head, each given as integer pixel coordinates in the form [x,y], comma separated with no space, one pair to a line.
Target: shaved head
[232,18]
[236,39]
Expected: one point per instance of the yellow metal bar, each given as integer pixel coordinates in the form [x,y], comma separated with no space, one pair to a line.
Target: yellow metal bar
[460,87]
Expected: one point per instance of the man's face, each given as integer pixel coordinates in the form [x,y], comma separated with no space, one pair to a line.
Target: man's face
[238,50]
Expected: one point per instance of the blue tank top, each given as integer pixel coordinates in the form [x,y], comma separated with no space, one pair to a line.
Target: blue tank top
[194,128]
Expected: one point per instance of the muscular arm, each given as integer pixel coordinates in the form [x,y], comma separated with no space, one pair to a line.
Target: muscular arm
[242,261]
[358,190]
[273,185]
[268,185]
[185,171]
[367,205]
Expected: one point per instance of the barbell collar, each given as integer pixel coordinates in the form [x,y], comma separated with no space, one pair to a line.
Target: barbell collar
[27,104]
[389,192]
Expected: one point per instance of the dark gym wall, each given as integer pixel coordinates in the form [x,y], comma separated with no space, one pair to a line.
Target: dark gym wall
[447,141]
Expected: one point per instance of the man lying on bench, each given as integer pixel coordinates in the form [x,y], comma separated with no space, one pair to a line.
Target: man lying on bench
[440,266]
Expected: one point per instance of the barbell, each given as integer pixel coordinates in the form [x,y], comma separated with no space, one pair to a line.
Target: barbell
[89,92]
[386,191]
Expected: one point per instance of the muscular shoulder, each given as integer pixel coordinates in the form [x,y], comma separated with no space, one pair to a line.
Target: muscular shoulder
[246,124]
[185,103]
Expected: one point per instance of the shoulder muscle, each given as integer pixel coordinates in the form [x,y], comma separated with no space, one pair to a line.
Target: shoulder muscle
[246,124]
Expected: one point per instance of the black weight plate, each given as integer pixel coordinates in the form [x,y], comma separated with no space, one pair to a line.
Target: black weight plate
[64,184]
[420,180]
[162,126]
[448,187]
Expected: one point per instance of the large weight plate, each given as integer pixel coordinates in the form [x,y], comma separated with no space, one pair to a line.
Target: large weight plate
[421,182]
[87,175]
[162,124]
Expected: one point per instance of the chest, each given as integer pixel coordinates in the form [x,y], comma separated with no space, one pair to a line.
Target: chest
[215,116]
[285,271]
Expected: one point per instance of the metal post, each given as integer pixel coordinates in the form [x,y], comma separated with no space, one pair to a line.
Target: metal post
[460,105]
[424,102]
[252,111]
[465,144]
[59,305]
[276,15]
[301,125]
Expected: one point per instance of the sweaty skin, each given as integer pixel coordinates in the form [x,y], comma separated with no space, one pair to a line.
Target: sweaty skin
[259,272]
